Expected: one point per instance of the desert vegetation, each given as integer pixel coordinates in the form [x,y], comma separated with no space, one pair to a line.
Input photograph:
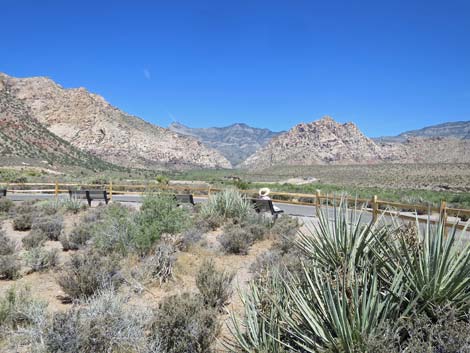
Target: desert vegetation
[168,278]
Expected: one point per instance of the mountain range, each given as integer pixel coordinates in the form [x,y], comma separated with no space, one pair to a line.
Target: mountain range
[91,124]
[235,142]
[42,121]
[326,141]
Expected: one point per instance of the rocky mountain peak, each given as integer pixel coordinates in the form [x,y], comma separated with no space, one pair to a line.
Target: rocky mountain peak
[90,123]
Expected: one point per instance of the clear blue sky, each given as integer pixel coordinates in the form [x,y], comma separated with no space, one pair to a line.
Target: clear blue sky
[388,66]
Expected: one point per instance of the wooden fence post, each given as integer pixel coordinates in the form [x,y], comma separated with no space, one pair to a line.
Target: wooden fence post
[56,189]
[375,209]
[443,214]
[111,191]
[209,192]
[317,200]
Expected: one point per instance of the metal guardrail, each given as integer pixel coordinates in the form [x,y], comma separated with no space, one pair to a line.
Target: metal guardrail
[373,205]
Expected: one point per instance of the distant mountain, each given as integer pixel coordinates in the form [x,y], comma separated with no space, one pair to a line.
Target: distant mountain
[236,142]
[326,141]
[25,139]
[457,130]
[90,123]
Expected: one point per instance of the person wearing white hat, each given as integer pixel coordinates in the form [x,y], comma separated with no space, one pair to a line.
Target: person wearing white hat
[264,195]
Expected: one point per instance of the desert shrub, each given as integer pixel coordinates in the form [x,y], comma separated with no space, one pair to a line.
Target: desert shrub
[256,225]
[284,232]
[447,334]
[116,231]
[19,309]
[104,323]
[87,273]
[215,286]
[228,204]
[5,205]
[51,226]
[9,267]
[159,214]
[209,222]
[40,259]
[235,239]
[184,324]
[78,237]
[34,239]
[159,265]
[190,237]
[94,215]
[23,222]
[7,246]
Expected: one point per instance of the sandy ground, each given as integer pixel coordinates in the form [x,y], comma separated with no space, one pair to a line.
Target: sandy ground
[43,285]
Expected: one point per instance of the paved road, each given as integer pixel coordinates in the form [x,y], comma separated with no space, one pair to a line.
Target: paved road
[307,213]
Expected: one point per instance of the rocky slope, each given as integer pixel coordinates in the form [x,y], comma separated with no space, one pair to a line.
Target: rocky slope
[236,142]
[88,122]
[452,130]
[320,142]
[23,139]
[327,142]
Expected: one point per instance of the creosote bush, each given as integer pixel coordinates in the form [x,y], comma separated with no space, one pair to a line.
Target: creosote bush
[87,273]
[116,231]
[215,286]
[158,215]
[184,324]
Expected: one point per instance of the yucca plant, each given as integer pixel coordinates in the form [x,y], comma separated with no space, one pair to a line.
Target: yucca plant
[260,330]
[228,204]
[358,278]
[342,243]
[435,272]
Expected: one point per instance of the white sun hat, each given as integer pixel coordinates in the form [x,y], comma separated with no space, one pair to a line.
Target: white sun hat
[264,192]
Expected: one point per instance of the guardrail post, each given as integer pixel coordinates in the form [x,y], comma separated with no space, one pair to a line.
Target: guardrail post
[111,191]
[317,200]
[375,209]
[56,189]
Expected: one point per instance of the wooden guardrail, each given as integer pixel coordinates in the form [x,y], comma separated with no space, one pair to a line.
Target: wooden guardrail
[373,205]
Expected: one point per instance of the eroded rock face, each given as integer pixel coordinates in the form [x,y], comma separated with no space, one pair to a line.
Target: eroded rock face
[90,123]
[327,142]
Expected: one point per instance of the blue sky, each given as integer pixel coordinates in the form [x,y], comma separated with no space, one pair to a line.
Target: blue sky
[388,66]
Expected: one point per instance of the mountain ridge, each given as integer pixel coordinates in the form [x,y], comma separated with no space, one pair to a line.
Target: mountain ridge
[236,141]
[326,141]
[89,122]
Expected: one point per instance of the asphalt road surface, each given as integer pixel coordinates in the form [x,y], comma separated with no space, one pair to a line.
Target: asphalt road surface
[306,213]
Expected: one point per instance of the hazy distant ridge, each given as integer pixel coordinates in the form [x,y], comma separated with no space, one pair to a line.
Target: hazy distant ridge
[235,142]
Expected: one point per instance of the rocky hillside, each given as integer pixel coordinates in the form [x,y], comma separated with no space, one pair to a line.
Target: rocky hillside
[320,142]
[327,142]
[236,142]
[25,140]
[88,122]
[453,130]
